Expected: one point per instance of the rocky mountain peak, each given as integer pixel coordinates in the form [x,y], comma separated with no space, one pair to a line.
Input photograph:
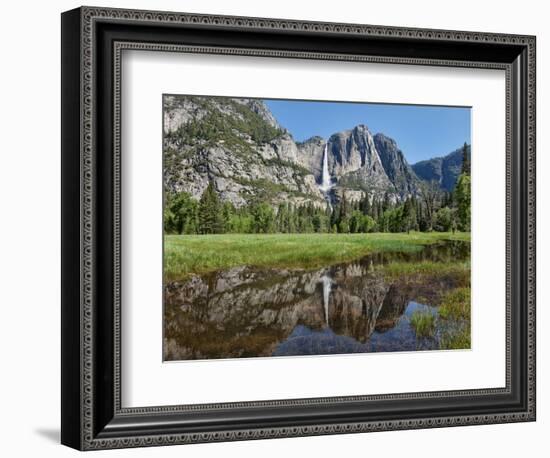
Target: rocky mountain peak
[239,146]
[260,108]
[396,166]
[362,129]
[316,140]
[349,143]
[355,161]
[442,170]
[380,138]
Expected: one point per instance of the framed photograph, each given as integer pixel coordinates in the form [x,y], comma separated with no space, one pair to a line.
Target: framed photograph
[276,228]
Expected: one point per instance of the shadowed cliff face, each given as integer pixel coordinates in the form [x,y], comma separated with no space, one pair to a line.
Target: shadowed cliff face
[345,308]
[442,170]
[396,166]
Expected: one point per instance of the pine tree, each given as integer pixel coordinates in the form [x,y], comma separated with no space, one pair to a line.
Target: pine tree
[386,202]
[462,195]
[181,214]
[407,216]
[210,218]
[263,218]
[344,208]
[228,210]
[365,205]
[335,215]
[430,193]
[465,160]
[380,213]
[282,218]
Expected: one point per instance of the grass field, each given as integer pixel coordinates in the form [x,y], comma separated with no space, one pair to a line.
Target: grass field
[199,254]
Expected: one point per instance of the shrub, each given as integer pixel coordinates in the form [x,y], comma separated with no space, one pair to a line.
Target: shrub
[423,323]
[456,305]
[458,340]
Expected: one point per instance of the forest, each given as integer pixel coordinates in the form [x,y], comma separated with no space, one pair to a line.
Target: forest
[431,210]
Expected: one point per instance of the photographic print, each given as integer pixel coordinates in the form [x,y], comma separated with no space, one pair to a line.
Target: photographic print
[296,227]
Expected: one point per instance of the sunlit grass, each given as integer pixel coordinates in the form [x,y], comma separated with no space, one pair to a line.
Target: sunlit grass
[459,340]
[423,323]
[198,254]
[456,305]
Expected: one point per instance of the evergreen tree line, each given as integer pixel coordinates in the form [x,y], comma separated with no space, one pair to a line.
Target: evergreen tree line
[433,210]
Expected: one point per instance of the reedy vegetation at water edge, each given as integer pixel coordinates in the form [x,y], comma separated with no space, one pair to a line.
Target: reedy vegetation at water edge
[192,254]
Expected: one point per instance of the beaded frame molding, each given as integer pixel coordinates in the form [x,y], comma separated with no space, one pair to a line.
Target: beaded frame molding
[93,40]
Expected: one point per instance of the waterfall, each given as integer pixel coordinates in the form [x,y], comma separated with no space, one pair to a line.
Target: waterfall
[327,283]
[326,182]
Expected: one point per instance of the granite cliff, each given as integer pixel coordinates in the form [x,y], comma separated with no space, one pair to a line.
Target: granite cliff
[239,146]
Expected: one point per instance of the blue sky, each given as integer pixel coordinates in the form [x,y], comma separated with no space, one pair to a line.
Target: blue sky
[421,131]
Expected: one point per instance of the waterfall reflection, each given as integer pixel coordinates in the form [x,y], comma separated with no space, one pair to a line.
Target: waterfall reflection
[344,308]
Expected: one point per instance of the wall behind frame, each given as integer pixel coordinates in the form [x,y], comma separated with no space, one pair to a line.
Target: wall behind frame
[30,225]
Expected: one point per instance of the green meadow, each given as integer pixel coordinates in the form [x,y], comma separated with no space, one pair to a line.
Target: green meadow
[199,254]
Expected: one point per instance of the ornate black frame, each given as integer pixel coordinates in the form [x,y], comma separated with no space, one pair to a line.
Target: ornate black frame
[92,42]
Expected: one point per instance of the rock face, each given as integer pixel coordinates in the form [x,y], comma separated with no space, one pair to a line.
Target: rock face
[396,166]
[311,156]
[240,146]
[443,170]
[356,162]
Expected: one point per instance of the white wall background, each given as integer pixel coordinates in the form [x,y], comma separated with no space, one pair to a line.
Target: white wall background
[30,240]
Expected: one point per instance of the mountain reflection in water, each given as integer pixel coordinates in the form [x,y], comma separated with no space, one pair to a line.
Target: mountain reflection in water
[343,308]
